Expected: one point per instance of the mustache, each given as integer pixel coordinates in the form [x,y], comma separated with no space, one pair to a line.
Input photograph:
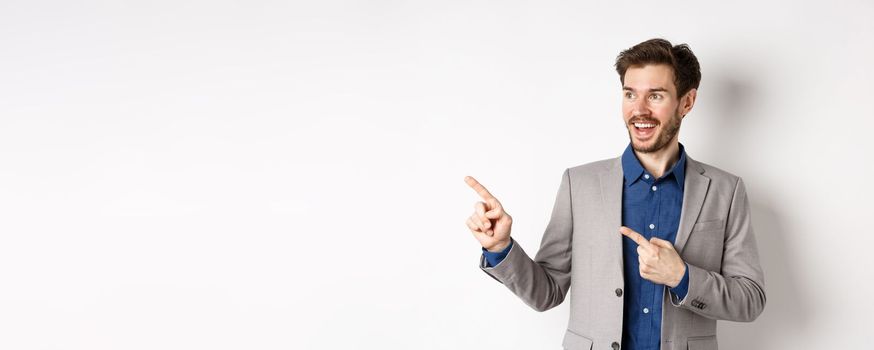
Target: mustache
[643,120]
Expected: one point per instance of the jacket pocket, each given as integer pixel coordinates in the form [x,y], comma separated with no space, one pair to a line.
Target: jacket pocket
[573,341]
[713,225]
[702,343]
[705,245]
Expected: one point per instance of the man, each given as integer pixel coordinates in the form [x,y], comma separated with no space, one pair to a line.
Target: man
[653,245]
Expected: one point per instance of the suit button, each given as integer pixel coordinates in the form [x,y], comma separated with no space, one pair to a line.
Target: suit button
[615,345]
[618,292]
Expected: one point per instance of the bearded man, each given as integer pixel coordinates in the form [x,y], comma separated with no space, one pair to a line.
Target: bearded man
[653,246]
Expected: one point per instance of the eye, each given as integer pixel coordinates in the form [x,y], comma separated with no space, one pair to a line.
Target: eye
[629,95]
[655,97]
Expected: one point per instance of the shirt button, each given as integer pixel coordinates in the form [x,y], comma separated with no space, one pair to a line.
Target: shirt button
[618,292]
[646,310]
[651,226]
[654,188]
[646,176]
[615,346]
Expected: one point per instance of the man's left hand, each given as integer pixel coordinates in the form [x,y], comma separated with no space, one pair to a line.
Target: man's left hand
[659,261]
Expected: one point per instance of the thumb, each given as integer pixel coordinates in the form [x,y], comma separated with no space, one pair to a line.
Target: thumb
[494,214]
[661,243]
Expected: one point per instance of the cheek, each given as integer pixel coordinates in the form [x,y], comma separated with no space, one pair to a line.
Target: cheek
[664,113]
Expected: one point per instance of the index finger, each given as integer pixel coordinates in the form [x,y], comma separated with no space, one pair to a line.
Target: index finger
[636,237]
[479,188]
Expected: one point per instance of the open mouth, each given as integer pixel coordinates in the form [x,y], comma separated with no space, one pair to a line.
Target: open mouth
[644,130]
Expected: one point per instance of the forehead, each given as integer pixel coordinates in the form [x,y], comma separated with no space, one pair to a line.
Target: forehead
[651,76]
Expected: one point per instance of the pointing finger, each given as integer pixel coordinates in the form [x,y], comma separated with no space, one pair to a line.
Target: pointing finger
[661,243]
[479,188]
[636,237]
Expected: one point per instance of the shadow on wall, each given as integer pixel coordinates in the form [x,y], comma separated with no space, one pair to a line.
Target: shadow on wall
[788,310]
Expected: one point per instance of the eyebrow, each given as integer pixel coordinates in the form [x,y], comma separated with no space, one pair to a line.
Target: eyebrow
[650,90]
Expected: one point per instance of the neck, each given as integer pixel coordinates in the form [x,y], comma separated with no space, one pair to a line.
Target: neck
[659,162]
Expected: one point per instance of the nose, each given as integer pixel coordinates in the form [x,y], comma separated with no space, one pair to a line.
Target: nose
[639,108]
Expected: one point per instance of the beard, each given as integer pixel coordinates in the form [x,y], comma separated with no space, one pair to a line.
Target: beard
[668,132]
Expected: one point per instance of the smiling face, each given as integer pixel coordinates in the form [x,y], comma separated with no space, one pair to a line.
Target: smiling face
[650,107]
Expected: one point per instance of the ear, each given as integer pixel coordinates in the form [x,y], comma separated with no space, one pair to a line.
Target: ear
[688,101]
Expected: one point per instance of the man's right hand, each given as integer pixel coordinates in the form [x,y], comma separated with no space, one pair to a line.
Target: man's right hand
[489,223]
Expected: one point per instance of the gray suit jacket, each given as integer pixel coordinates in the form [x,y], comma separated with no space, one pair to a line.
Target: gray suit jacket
[581,251]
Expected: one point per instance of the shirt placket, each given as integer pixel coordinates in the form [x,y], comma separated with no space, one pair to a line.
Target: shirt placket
[647,287]
[656,230]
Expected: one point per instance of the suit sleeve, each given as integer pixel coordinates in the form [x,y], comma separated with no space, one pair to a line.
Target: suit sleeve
[542,283]
[493,259]
[735,293]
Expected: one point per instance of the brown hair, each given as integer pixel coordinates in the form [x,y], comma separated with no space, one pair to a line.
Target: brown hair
[687,72]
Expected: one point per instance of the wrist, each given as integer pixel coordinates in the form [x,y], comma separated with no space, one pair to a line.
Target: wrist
[499,246]
[679,277]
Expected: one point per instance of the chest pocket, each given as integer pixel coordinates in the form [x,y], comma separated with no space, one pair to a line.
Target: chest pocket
[705,243]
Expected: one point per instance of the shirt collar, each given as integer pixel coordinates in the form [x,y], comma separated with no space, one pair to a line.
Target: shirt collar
[632,170]
[631,167]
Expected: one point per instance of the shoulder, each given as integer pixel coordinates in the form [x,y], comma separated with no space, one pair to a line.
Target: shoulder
[589,175]
[719,177]
[595,168]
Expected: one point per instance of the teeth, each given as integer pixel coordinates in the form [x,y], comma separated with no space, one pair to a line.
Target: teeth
[643,125]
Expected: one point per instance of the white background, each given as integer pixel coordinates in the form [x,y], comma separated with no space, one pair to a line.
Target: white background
[289,175]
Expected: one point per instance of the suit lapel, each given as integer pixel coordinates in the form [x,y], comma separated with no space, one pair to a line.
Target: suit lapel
[694,191]
[611,197]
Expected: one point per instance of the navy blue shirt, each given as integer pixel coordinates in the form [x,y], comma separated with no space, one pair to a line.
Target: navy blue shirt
[652,208]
